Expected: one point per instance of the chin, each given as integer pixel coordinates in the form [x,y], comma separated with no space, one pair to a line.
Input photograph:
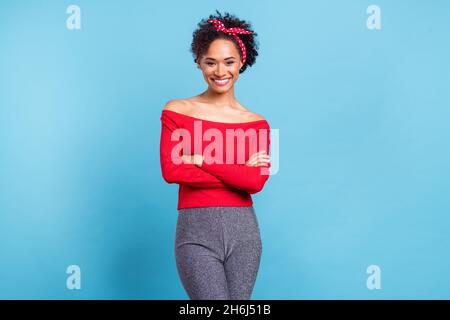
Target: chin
[220,90]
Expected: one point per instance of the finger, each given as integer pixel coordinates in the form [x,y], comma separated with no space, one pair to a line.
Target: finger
[252,163]
[262,163]
[257,153]
[253,157]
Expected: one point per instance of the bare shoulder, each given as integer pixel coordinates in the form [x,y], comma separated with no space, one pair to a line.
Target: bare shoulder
[257,117]
[253,116]
[178,105]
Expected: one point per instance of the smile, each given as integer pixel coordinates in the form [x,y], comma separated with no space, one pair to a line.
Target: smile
[222,82]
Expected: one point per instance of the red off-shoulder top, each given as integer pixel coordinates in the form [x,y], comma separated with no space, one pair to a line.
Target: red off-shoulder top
[223,179]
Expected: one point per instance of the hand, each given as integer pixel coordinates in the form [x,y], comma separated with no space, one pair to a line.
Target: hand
[258,159]
[196,159]
[186,158]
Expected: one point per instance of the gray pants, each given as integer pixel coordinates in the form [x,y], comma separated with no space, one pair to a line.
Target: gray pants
[218,251]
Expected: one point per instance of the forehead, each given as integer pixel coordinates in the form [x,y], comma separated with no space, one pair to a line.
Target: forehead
[221,48]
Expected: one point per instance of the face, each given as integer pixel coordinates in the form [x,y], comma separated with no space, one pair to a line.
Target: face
[221,62]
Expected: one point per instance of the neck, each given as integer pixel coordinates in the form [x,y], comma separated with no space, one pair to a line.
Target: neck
[219,99]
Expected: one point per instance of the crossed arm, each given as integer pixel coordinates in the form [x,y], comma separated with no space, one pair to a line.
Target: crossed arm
[198,173]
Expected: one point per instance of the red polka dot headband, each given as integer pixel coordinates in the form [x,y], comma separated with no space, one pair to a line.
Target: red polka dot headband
[233,31]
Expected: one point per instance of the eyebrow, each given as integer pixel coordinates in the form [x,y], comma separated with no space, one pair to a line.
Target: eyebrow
[215,59]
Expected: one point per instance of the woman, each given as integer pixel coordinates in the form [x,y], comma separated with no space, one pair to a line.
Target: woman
[217,243]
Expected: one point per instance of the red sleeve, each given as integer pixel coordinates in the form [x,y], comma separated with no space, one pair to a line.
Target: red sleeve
[183,173]
[241,176]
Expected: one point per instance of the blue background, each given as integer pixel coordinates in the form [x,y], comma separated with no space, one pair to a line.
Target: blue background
[363,117]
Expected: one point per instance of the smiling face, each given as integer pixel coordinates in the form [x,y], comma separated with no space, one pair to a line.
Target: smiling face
[220,65]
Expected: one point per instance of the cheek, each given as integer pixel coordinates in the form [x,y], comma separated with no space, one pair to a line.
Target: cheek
[206,73]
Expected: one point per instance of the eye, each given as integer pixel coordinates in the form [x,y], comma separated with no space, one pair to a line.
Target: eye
[212,63]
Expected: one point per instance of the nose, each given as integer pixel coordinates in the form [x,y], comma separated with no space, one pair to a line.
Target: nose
[219,71]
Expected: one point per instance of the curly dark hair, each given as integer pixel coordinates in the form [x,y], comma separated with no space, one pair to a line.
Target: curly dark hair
[207,33]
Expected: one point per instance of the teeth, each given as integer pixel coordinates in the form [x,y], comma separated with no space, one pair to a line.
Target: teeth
[222,81]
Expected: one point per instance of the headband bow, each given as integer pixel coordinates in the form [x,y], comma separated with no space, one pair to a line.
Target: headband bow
[233,31]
